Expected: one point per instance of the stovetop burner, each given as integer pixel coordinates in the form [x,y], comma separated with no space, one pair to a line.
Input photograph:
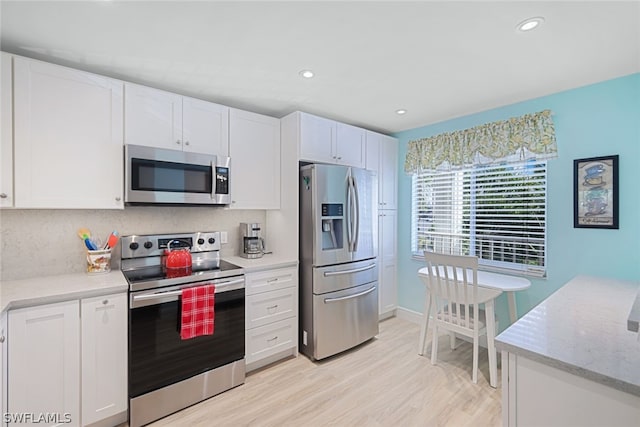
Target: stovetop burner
[156,272]
[143,259]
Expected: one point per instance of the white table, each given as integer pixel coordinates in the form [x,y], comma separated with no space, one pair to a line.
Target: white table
[486,279]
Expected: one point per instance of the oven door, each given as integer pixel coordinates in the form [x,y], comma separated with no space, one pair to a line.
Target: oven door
[158,357]
[154,175]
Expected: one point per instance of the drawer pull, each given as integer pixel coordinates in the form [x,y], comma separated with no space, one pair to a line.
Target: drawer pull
[273,307]
[272,339]
[272,280]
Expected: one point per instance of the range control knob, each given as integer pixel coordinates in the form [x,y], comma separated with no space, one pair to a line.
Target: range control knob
[148,245]
[211,240]
[133,246]
[201,241]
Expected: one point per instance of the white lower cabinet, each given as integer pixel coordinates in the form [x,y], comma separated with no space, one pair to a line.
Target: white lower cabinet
[67,362]
[44,363]
[388,263]
[104,358]
[271,316]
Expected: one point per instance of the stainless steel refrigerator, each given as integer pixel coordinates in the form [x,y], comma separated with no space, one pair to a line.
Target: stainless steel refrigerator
[338,265]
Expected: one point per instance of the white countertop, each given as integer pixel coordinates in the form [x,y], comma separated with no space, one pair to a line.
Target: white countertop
[582,329]
[268,261]
[50,289]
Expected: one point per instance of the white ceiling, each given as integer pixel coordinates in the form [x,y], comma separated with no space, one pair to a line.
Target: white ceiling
[437,59]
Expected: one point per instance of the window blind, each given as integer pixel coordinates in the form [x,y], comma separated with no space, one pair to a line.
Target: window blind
[496,212]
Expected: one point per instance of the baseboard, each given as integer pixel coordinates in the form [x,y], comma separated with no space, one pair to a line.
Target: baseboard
[409,315]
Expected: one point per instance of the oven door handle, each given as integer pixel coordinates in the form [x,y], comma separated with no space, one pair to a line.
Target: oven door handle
[168,296]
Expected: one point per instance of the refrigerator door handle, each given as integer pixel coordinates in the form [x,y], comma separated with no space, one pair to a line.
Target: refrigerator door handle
[368,291]
[349,214]
[341,272]
[356,216]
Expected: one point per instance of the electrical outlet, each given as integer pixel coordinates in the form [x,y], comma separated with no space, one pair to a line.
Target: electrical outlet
[223,237]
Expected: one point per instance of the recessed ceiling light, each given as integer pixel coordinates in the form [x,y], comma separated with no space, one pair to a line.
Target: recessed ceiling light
[401,111]
[307,74]
[530,24]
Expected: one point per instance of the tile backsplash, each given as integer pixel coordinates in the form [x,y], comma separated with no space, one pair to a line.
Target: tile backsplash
[36,243]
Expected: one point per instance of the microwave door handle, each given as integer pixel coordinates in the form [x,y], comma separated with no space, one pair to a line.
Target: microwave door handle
[214,180]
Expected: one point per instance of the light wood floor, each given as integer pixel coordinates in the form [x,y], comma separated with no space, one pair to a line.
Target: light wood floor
[381,383]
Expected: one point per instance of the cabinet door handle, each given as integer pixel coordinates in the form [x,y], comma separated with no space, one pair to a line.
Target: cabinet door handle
[178,142]
[118,198]
[3,195]
[105,302]
[186,143]
[2,339]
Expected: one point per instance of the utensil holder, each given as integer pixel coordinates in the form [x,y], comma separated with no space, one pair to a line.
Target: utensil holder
[99,261]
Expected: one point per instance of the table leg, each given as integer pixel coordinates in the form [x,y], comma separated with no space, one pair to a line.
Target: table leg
[513,313]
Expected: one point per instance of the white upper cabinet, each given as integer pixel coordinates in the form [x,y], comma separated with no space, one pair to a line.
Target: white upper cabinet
[205,127]
[327,141]
[67,138]
[152,117]
[350,145]
[254,147]
[317,138]
[382,156]
[388,173]
[6,132]
[162,119]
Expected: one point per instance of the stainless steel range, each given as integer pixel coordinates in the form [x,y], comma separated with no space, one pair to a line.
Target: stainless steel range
[167,373]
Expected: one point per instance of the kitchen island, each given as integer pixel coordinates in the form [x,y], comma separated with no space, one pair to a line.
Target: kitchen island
[571,360]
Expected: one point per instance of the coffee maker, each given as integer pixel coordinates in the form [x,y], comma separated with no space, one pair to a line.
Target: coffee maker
[252,243]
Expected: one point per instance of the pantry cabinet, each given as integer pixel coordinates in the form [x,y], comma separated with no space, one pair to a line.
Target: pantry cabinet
[162,119]
[6,131]
[271,316]
[67,138]
[327,141]
[69,359]
[104,358]
[254,147]
[382,157]
[44,360]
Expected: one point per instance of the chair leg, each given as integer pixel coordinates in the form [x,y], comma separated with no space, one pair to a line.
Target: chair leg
[434,344]
[474,373]
[424,328]
[491,347]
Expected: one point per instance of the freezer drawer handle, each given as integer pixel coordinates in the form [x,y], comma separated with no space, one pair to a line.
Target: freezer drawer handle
[368,291]
[355,270]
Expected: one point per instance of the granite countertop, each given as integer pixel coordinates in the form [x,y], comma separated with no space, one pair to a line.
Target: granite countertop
[266,262]
[50,289]
[582,329]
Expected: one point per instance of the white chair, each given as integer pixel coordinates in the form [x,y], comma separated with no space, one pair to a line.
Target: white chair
[453,298]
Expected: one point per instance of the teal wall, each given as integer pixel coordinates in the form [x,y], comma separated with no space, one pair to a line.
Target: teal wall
[597,120]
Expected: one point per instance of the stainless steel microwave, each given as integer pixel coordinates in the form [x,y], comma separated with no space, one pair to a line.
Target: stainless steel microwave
[160,176]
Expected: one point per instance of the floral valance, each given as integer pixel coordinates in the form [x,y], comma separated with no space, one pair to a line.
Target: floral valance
[531,136]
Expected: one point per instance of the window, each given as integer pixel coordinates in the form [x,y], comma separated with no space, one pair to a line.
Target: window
[496,212]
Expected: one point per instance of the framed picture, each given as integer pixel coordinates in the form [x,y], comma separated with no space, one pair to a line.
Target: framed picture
[595,192]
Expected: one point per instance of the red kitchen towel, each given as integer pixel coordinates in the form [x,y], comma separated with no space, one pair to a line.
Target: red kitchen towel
[197,311]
